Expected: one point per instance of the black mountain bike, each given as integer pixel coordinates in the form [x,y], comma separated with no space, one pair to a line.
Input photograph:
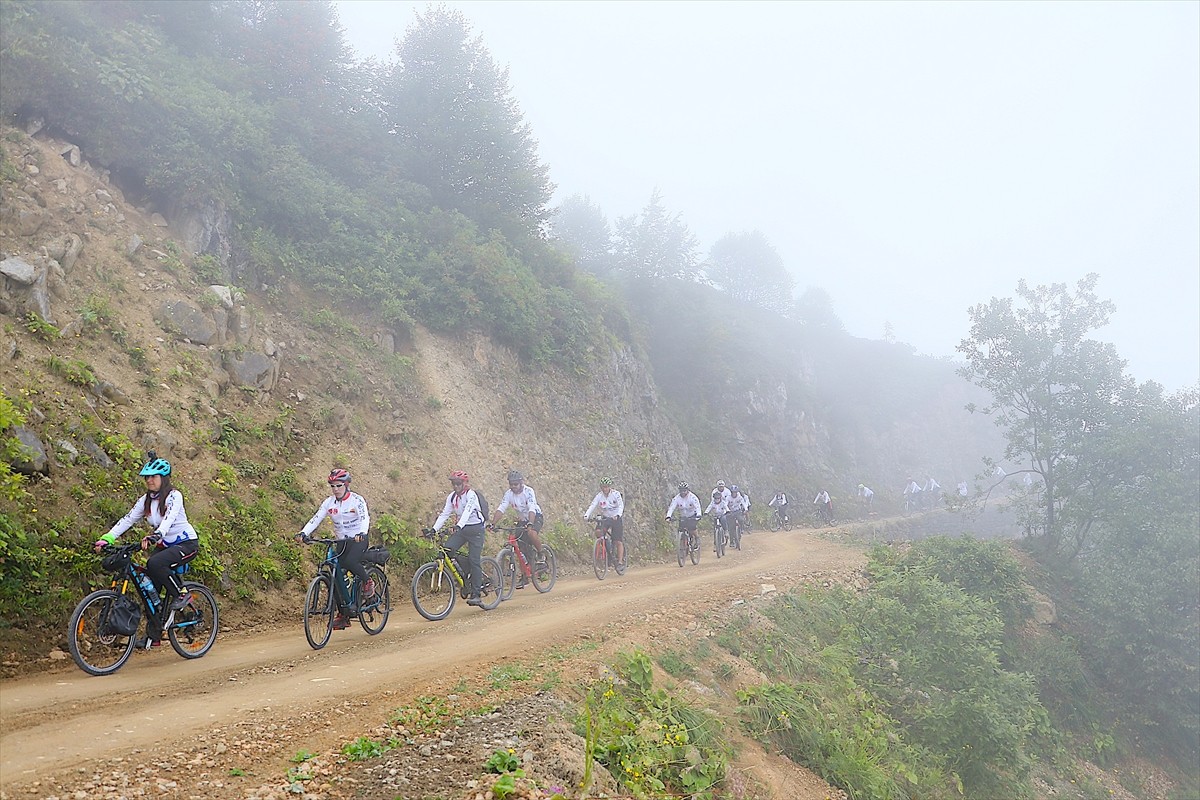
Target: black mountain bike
[687,545]
[104,625]
[320,606]
[780,520]
[719,536]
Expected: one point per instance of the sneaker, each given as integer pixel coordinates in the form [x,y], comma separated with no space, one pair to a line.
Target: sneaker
[474,600]
[341,622]
[179,602]
[369,589]
[523,582]
[147,644]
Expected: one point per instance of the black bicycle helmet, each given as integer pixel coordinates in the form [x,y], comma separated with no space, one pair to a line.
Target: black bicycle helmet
[515,477]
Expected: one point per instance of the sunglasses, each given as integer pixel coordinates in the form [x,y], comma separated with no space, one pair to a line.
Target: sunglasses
[337,486]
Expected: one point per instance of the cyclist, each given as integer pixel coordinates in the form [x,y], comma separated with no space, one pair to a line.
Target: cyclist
[780,503]
[911,493]
[739,504]
[718,509]
[174,538]
[611,506]
[463,503]
[824,505]
[522,498]
[347,512]
[867,495]
[689,510]
[724,490]
[931,491]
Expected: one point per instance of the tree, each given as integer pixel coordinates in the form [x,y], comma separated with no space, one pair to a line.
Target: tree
[814,308]
[581,228]
[748,267]
[1056,394]
[656,244]
[450,103]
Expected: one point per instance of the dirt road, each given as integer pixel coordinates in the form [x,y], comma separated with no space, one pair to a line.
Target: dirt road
[65,723]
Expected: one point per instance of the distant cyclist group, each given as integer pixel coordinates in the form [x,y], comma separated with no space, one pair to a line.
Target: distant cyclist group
[351,582]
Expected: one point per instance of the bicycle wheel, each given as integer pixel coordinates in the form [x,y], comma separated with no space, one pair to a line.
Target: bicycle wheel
[787,524]
[695,548]
[508,572]
[776,522]
[718,541]
[600,559]
[318,611]
[682,547]
[433,591]
[373,614]
[195,627]
[96,649]
[545,571]
[492,584]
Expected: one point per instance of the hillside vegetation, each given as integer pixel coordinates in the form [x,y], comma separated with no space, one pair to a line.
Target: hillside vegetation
[225,241]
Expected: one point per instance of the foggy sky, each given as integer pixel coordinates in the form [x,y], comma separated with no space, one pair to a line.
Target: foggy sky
[911,158]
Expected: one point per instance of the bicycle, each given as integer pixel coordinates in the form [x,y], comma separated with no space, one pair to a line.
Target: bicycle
[780,521]
[719,536]
[688,545]
[319,605]
[822,517]
[511,558]
[736,530]
[104,624]
[438,583]
[604,554]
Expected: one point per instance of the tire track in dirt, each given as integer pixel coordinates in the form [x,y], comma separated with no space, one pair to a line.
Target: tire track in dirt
[67,721]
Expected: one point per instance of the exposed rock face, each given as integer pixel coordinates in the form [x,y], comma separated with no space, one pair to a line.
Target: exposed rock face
[25,287]
[18,270]
[204,227]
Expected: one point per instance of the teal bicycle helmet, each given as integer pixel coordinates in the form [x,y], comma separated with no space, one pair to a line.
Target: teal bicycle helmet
[156,466]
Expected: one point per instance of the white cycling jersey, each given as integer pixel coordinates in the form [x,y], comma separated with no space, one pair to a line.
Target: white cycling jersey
[172,526]
[688,506]
[524,501]
[349,516]
[464,506]
[739,502]
[779,500]
[610,505]
[717,507]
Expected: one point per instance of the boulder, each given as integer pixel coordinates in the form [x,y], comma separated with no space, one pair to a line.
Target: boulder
[67,451]
[33,459]
[97,454]
[187,322]
[160,441]
[111,392]
[224,294]
[29,221]
[134,243]
[252,370]
[204,227]
[241,324]
[72,155]
[18,270]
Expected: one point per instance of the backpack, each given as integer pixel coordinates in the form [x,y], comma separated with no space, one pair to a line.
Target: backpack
[483,506]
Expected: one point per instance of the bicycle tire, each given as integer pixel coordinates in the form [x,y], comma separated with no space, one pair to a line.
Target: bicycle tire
[545,577]
[194,630]
[319,609]
[600,559]
[776,523]
[491,583]
[787,524]
[718,541]
[682,547]
[695,549]
[508,572]
[373,615]
[96,652]
[434,591]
